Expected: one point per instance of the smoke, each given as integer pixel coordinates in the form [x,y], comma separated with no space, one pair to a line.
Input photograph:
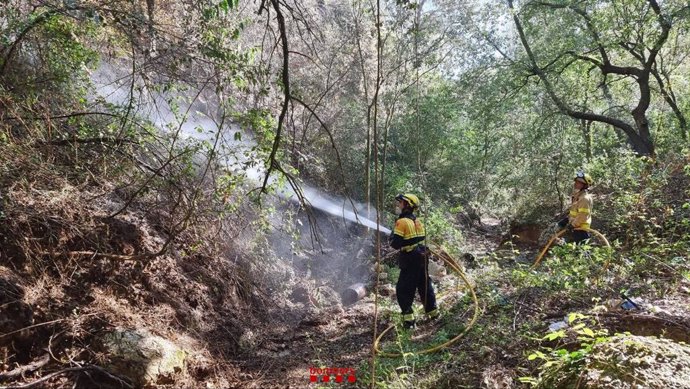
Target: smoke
[301,272]
[168,112]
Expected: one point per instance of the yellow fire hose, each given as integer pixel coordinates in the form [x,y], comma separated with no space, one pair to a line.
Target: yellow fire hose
[453,265]
[560,233]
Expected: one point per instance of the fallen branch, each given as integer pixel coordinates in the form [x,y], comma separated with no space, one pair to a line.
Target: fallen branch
[641,317]
[68,370]
[61,116]
[68,142]
[32,326]
[122,257]
[388,256]
[40,325]
[19,371]
[673,269]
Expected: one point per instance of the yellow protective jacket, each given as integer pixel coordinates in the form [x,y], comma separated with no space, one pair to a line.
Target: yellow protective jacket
[580,215]
[408,233]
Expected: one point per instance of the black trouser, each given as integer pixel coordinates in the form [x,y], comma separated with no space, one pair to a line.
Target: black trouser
[579,236]
[414,276]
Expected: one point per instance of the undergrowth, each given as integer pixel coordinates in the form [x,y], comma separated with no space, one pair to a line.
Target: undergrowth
[582,286]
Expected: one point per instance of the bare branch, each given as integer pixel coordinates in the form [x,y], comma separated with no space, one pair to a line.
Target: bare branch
[37,21]
[286,92]
[69,370]
[21,370]
[564,108]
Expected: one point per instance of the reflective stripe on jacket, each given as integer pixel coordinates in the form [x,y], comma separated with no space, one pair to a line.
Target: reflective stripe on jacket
[580,215]
[408,233]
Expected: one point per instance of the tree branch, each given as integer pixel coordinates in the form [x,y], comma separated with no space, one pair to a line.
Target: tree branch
[21,370]
[564,108]
[665,29]
[37,21]
[286,91]
[68,370]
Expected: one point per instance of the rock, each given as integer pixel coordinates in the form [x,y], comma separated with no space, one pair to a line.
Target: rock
[300,294]
[524,258]
[382,268]
[387,290]
[627,362]
[485,351]
[503,254]
[559,325]
[144,358]
[328,297]
[497,377]
[363,253]
[613,305]
[436,271]
[470,260]
[599,309]
[658,310]
[248,341]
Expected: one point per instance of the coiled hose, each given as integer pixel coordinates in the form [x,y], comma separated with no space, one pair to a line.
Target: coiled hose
[560,233]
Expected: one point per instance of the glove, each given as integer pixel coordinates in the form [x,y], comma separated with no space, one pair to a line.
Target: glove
[563,223]
[423,251]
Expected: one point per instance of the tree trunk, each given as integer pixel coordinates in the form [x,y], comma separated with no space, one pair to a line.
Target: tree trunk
[638,135]
[642,142]
[367,112]
[586,126]
[150,7]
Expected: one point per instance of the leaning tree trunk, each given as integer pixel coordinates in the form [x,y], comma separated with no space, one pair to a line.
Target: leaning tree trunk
[638,134]
[642,144]
[642,139]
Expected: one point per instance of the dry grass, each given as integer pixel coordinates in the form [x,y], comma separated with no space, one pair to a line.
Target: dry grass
[74,272]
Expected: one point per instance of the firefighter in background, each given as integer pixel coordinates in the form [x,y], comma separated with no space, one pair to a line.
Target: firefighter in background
[580,215]
[408,236]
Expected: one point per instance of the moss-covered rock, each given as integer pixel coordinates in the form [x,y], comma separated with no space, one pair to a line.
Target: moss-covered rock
[628,362]
[144,358]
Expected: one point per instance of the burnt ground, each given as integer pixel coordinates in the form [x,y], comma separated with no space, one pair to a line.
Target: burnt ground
[341,336]
[335,337]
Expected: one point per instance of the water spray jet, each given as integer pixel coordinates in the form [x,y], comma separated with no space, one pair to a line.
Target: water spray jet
[113,86]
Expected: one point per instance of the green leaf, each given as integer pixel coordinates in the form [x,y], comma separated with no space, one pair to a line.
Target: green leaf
[555,335]
[528,380]
[576,354]
[535,355]
[227,5]
[238,136]
[575,316]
